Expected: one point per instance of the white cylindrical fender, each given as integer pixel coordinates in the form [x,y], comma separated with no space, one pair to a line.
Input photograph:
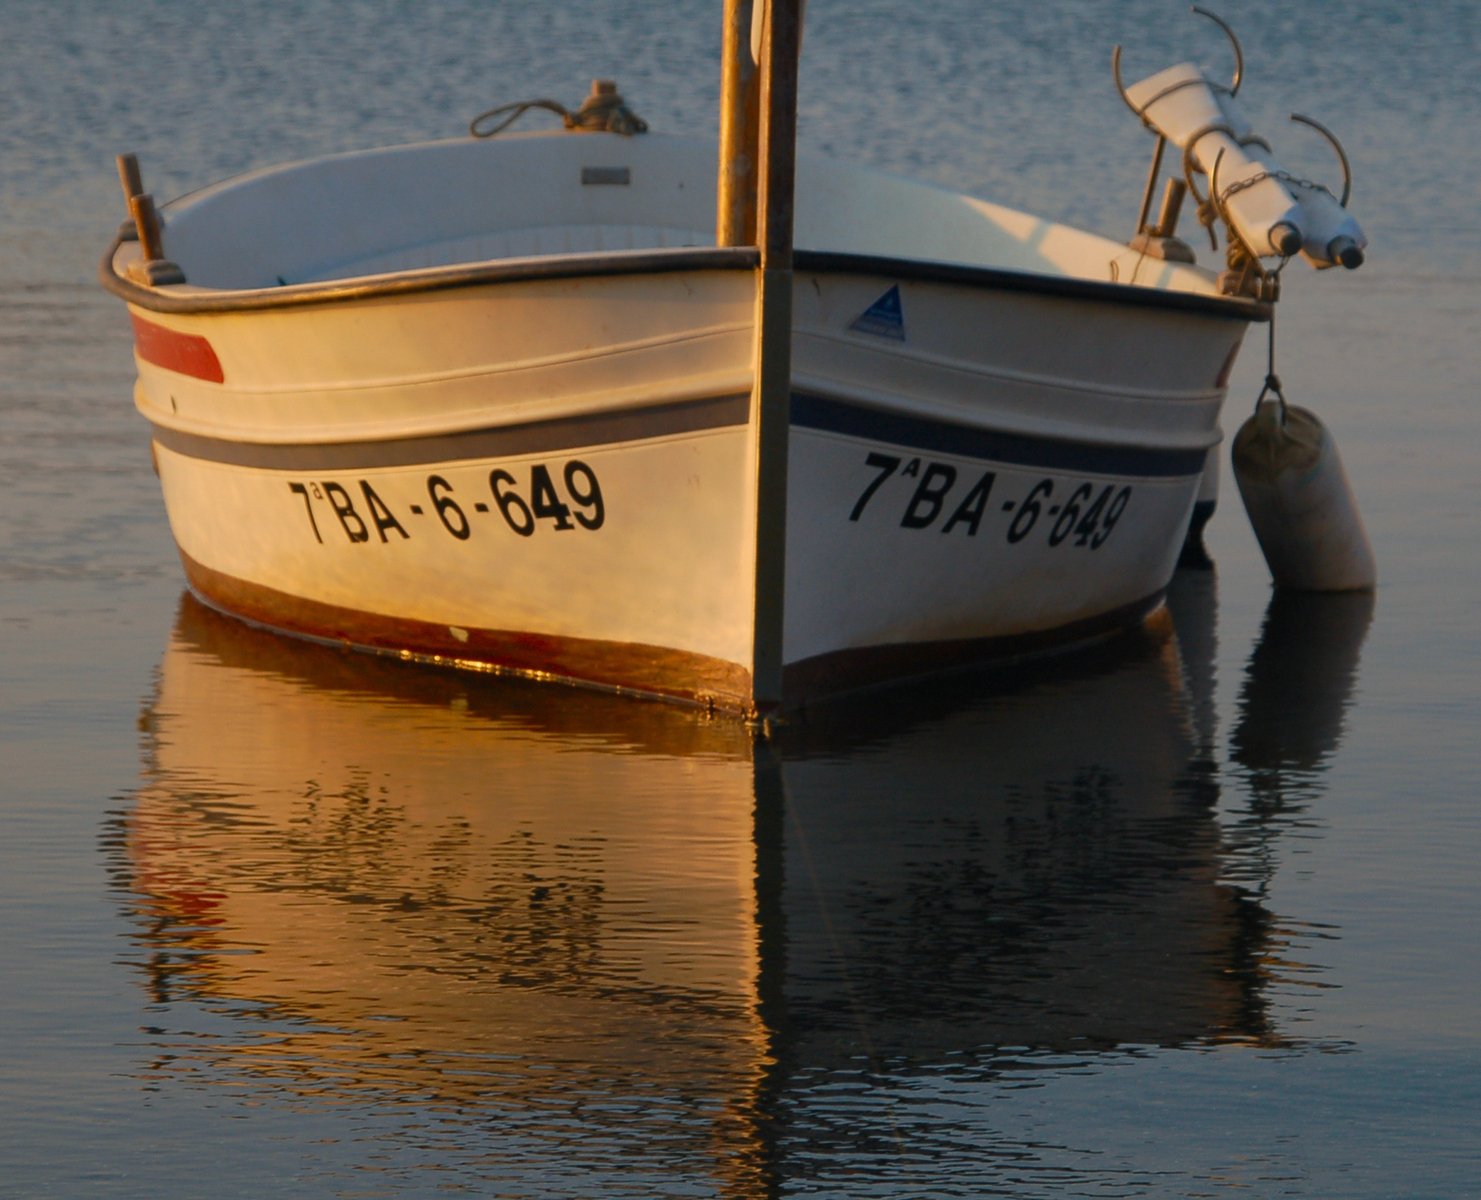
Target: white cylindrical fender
[1300,503]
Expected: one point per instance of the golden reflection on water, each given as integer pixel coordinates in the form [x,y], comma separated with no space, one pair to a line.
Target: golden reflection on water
[422,889]
[571,916]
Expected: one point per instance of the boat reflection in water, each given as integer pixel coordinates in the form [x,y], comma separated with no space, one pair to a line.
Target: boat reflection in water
[586,937]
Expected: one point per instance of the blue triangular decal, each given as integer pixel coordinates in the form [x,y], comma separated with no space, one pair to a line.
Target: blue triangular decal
[884,318]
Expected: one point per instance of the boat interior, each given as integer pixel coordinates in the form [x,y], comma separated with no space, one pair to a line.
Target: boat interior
[436,205]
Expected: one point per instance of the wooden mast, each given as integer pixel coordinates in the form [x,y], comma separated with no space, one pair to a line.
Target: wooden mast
[740,104]
[770,204]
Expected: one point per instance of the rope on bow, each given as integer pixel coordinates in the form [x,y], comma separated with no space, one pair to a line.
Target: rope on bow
[603,111]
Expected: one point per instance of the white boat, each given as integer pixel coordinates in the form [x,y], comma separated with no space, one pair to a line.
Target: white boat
[497,403]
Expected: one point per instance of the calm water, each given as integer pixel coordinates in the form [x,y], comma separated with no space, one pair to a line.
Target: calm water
[1192,916]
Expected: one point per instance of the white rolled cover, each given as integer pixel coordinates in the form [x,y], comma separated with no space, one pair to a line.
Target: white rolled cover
[1272,213]
[1324,222]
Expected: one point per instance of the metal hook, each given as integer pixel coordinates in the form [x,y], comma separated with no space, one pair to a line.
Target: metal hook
[1191,168]
[1116,75]
[1213,185]
[1206,204]
[1216,202]
[1233,42]
[1341,154]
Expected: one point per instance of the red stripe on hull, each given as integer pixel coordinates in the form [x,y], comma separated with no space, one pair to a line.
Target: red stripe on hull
[187,353]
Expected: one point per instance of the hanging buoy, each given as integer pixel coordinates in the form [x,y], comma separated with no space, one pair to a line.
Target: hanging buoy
[1299,501]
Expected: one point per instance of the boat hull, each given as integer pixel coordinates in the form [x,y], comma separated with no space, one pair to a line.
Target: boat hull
[555,561]
[555,477]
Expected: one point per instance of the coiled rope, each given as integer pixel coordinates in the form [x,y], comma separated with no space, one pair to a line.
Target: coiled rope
[603,111]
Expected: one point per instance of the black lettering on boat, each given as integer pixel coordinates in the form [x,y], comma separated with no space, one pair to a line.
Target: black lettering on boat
[1066,516]
[308,507]
[1028,512]
[379,513]
[545,501]
[1113,514]
[344,509]
[930,495]
[1085,519]
[969,511]
[517,514]
[453,519]
[587,495]
[886,465]
[1087,526]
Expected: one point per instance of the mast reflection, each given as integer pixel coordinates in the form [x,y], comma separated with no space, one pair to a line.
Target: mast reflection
[553,914]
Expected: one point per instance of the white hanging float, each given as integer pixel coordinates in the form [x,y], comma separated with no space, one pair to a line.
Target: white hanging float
[1299,501]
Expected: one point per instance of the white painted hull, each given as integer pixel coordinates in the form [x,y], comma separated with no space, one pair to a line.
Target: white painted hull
[553,473]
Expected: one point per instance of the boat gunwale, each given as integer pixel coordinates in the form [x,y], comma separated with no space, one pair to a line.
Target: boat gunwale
[662,261]
[1001,279]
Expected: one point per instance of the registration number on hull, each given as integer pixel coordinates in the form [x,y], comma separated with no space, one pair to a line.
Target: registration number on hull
[561,498]
[567,497]
[945,498]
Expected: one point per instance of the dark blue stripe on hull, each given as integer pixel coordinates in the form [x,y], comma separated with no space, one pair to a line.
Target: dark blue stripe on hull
[963,441]
[542,437]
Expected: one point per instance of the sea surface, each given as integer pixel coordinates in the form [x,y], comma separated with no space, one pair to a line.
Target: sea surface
[1189,916]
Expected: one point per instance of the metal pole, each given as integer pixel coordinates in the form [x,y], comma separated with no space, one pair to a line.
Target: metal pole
[772,393]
